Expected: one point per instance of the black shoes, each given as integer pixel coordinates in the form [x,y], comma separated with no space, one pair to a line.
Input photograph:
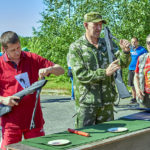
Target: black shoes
[133,101]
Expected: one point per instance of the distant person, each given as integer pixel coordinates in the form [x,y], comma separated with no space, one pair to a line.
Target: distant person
[142,77]
[93,74]
[135,51]
[25,49]
[1,53]
[71,78]
[17,66]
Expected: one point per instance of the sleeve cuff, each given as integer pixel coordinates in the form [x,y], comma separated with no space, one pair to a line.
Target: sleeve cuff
[101,73]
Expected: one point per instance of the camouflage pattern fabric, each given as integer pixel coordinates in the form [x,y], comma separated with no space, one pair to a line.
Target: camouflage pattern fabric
[92,86]
[93,115]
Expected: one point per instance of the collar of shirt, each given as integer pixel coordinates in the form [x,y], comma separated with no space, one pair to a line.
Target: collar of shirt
[100,43]
[138,48]
[6,59]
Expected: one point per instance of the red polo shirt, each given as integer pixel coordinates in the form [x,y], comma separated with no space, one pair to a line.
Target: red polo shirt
[20,116]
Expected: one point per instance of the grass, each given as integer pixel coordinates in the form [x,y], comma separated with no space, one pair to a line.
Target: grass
[60,84]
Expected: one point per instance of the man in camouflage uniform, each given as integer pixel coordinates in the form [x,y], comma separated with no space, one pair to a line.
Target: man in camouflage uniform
[93,75]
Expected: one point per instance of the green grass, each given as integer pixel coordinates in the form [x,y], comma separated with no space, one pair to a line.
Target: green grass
[57,83]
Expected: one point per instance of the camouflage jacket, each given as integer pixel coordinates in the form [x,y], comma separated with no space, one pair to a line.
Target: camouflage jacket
[91,85]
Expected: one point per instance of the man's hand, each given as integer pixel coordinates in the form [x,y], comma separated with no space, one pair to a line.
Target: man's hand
[44,72]
[112,68]
[140,94]
[56,70]
[10,100]
[125,45]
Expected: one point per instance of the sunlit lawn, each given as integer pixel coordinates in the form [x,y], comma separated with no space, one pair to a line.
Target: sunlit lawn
[56,83]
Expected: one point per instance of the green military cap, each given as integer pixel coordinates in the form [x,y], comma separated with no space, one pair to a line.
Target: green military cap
[93,17]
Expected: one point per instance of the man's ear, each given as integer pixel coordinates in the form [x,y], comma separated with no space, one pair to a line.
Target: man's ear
[85,25]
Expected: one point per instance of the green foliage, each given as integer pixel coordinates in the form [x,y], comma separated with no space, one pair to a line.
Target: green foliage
[24,41]
[62,24]
[133,19]
[125,75]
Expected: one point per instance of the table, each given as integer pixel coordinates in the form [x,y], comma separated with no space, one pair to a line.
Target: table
[136,138]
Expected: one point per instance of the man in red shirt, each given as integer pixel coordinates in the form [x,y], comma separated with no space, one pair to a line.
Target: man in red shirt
[17,66]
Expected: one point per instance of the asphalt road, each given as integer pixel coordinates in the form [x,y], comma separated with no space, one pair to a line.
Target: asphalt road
[58,112]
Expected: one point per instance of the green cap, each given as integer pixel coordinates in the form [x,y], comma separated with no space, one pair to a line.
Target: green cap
[93,17]
[25,49]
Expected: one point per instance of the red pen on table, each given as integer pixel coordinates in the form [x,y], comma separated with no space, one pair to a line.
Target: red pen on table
[78,132]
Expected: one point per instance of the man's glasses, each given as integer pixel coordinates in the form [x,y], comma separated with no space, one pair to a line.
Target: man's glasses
[148,43]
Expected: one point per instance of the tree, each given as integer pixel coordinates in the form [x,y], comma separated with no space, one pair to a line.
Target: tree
[62,24]
[57,32]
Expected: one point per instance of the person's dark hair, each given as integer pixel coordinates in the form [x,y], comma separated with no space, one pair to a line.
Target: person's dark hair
[9,37]
[135,38]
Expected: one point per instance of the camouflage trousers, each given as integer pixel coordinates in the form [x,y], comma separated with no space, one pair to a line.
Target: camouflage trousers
[87,116]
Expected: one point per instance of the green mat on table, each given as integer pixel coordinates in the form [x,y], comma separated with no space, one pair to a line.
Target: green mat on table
[97,132]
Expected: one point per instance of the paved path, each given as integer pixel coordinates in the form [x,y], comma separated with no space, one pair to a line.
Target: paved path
[58,112]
